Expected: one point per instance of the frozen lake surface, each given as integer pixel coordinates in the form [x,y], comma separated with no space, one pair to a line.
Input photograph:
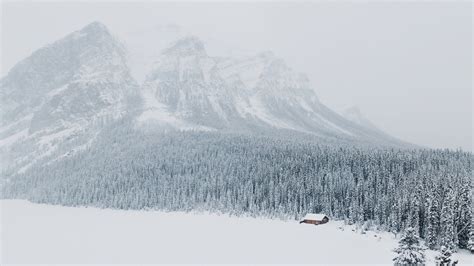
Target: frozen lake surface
[37,233]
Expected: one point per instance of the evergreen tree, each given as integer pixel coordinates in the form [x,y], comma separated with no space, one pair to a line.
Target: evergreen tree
[410,251]
[433,224]
[470,244]
[464,217]
[447,221]
[444,258]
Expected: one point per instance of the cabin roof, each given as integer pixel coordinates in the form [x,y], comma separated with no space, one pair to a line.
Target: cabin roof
[314,216]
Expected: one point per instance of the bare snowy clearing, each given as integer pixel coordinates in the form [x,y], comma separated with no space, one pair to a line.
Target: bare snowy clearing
[36,233]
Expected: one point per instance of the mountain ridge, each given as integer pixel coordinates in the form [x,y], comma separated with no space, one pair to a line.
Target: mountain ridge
[258,89]
[65,93]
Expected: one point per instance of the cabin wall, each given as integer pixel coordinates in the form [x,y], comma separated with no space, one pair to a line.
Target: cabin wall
[315,222]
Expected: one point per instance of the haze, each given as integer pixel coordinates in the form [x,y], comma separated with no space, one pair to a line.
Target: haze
[408,66]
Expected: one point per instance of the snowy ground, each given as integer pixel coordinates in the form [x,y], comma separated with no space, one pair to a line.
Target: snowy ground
[35,233]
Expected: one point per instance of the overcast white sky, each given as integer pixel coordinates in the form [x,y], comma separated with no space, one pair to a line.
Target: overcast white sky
[407,65]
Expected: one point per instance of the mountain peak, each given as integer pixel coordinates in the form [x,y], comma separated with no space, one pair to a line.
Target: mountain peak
[95,26]
[95,30]
[266,54]
[187,46]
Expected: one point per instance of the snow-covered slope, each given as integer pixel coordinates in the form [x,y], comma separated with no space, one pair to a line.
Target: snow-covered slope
[355,115]
[68,235]
[62,91]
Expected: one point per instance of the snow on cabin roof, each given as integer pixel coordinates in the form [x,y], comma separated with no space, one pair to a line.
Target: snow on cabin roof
[314,216]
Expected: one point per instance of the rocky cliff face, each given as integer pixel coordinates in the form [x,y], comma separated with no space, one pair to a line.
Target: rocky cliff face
[62,90]
[201,91]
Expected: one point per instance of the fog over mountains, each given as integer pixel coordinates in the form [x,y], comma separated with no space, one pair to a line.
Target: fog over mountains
[66,93]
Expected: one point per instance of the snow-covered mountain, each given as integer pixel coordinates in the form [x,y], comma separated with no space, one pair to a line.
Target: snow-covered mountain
[200,91]
[61,92]
[59,98]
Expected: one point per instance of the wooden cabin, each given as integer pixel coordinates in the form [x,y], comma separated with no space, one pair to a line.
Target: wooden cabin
[315,218]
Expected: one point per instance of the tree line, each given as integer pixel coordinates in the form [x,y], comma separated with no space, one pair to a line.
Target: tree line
[386,188]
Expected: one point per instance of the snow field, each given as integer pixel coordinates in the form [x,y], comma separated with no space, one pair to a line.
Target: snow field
[37,233]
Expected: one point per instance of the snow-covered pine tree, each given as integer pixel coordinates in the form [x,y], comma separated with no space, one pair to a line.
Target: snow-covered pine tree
[464,217]
[447,221]
[414,214]
[433,223]
[444,257]
[410,251]
[470,243]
